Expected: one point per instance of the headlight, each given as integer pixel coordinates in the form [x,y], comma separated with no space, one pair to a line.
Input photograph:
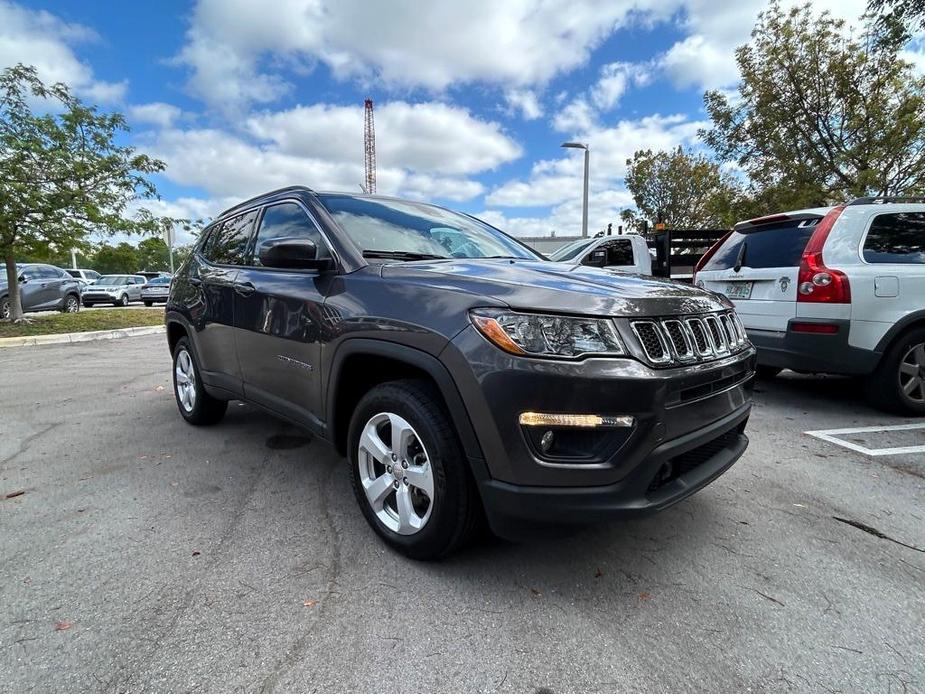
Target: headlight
[533,334]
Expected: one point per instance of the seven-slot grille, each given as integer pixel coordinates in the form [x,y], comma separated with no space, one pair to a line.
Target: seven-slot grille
[668,341]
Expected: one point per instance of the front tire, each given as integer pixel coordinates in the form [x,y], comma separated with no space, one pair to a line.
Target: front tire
[408,471]
[148,304]
[898,384]
[87,304]
[6,309]
[123,301]
[71,304]
[195,404]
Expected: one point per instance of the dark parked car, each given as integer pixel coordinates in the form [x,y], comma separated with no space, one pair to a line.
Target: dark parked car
[41,288]
[460,372]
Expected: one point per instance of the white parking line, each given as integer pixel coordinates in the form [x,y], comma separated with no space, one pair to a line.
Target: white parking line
[831,435]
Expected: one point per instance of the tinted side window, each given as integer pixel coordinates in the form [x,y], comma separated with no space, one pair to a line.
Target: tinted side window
[30,273]
[620,253]
[288,220]
[773,245]
[896,238]
[227,244]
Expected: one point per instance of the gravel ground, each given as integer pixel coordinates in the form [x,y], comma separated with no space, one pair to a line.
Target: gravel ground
[148,555]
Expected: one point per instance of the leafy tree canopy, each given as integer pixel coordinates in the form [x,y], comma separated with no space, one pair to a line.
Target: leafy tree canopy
[682,189]
[62,175]
[822,115]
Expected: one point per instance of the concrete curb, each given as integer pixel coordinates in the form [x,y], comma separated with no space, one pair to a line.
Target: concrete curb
[67,338]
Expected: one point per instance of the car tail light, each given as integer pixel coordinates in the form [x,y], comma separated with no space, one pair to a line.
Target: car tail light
[704,259]
[816,282]
[816,328]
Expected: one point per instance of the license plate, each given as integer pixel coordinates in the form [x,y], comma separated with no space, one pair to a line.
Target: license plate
[738,290]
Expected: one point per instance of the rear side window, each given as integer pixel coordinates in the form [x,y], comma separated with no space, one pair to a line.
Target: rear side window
[288,220]
[773,245]
[227,244]
[75,273]
[896,238]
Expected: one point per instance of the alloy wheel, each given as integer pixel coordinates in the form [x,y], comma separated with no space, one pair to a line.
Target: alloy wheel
[185,373]
[5,309]
[396,473]
[912,373]
[71,305]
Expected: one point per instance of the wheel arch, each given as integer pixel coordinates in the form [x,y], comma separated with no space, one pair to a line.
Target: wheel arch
[360,364]
[910,321]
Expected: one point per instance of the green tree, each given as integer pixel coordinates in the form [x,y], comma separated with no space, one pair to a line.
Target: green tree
[153,254]
[122,259]
[822,115]
[682,189]
[62,175]
[910,13]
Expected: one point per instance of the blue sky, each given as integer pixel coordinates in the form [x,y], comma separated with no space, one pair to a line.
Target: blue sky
[472,99]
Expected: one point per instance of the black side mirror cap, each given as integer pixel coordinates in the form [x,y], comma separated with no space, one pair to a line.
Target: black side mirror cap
[293,253]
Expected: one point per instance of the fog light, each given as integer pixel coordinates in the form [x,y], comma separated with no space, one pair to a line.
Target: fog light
[546,442]
[540,419]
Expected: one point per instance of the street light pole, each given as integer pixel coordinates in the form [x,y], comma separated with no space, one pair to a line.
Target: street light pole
[584,198]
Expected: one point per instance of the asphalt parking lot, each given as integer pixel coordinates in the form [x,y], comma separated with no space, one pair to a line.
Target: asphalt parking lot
[146,555]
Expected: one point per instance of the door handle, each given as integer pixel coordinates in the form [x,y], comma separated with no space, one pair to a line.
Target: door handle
[244,288]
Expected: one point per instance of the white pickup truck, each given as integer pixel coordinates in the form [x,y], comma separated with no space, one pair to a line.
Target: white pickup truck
[628,253]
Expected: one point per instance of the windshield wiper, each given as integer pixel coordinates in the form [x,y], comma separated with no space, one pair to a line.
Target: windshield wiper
[403,255]
[740,259]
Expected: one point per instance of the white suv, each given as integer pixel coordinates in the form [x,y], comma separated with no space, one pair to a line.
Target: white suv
[834,290]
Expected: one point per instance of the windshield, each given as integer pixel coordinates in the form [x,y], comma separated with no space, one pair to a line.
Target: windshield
[399,227]
[570,250]
[111,281]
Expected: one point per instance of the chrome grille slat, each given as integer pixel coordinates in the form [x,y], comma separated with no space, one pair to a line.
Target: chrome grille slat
[683,340]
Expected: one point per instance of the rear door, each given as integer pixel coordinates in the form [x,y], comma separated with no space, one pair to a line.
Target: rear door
[757,267]
[279,320]
[217,267]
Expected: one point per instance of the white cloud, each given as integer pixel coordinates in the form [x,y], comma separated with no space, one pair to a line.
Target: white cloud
[234,47]
[705,58]
[615,79]
[308,147]
[156,113]
[525,101]
[36,37]
[425,137]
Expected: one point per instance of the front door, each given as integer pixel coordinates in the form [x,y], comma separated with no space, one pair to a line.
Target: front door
[279,321]
[37,292]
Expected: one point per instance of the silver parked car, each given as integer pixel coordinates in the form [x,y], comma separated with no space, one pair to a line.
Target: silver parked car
[156,290]
[117,290]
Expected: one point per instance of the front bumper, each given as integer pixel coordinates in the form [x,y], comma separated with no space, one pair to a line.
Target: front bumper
[676,410]
[700,457]
[813,352]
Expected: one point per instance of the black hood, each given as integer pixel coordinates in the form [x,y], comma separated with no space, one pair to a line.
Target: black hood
[558,287]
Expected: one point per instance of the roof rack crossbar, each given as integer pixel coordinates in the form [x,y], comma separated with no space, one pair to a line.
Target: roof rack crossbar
[885,199]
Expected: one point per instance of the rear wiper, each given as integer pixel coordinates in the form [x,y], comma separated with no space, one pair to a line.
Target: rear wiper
[740,259]
[402,255]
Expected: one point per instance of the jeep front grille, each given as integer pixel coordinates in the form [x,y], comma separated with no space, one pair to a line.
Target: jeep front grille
[671,341]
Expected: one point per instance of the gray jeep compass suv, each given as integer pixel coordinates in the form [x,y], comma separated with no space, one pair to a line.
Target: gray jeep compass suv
[463,375]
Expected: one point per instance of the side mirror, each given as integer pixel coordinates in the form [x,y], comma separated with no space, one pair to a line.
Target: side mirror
[596,258]
[23,279]
[293,253]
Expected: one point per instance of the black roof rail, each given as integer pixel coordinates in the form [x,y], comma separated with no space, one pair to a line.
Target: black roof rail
[258,198]
[884,199]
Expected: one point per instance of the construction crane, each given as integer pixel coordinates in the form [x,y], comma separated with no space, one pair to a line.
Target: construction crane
[369,146]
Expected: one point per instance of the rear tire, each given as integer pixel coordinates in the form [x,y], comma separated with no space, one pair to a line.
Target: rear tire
[766,372]
[195,404]
[427,457]
[898,383]
[71,304]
